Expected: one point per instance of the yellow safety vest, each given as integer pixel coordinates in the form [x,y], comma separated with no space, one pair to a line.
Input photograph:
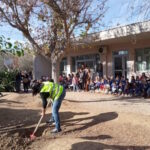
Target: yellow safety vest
[54,89]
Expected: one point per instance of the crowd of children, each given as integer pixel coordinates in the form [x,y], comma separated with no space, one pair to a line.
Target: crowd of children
[84,80]
[79,81]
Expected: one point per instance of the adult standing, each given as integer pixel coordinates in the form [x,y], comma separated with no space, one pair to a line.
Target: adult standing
[25,79]
[81,84]
[18,81]
[88,79]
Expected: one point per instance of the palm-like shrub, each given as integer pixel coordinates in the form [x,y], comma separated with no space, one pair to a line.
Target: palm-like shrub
[7,77]
[7,81]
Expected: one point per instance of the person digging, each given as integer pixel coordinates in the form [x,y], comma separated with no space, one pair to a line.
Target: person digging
[56,92]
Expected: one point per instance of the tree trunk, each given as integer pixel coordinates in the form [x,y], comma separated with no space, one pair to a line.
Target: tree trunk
[55,70]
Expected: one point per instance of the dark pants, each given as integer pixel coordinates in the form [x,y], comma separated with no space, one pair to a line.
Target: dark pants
[25,86]
[18,84]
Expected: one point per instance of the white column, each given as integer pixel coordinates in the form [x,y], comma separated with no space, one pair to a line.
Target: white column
[54,71]
[104,65]
[68,65]
[104,61]
[131,63]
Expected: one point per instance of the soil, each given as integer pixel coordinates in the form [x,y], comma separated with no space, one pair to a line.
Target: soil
[89,121]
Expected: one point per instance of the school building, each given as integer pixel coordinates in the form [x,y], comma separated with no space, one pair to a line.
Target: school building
[122,51]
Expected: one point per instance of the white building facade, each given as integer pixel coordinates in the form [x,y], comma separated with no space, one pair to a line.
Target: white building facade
[122,51]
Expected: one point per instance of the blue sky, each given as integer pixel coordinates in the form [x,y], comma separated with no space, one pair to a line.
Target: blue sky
[117,14]
[12,33]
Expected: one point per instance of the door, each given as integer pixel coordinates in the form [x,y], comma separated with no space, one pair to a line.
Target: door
[120,66]
[89,63]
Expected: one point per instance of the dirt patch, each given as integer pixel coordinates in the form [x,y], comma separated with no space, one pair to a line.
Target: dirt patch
[13,142]
[88,121]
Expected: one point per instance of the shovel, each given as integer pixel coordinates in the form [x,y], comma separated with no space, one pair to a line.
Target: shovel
[32,136]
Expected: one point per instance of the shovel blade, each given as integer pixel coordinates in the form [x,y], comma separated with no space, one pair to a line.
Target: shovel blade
[32,137]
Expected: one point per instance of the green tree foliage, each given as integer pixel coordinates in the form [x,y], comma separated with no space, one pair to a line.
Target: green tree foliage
[12,48]
[7,77]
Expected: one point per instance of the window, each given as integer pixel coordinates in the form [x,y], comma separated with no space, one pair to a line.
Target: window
[122,52]
[148,62]
[142,59]
[91,60]
[73,64]
[63,66]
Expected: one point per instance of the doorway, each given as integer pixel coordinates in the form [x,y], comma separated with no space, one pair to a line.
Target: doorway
[120,63]
[89,63]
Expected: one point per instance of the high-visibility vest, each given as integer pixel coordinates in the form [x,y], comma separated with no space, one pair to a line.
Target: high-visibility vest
[54,89]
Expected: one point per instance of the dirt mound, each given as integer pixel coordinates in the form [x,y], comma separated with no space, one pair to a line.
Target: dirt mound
[13,142]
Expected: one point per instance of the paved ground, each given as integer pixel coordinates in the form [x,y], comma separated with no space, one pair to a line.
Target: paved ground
[91,121]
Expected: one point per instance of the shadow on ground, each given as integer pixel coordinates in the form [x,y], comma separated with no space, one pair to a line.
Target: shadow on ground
[9,101]
[121,99]
[99,137]
[24,121]
[100,146]
[93,120]
[13,120]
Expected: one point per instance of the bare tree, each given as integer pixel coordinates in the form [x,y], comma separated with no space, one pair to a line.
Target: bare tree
[140,9]
[49,25]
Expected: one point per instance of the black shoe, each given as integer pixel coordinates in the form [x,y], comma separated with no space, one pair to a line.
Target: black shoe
[56,130]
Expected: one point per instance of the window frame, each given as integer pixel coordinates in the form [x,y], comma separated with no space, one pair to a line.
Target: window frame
[144,65]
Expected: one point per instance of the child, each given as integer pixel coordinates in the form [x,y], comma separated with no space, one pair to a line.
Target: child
[92,86]
[120,88]
[75,83]
[106,85]
[148,88]
[114,88]
[126,89]
[102,85]
[97,83]
[138,86]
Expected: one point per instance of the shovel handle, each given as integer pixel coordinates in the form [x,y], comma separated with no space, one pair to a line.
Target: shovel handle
[38,124]
[41,118]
